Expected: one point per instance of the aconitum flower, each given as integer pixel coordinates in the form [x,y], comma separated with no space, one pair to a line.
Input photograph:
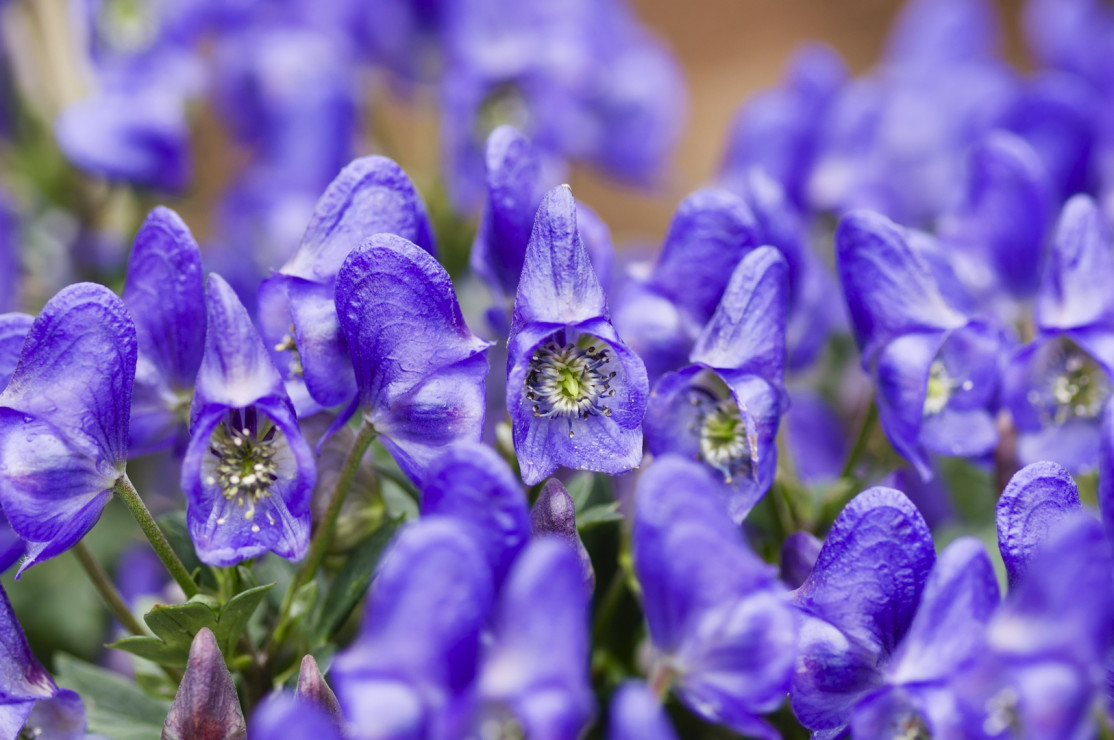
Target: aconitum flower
[31,702]
[13,330]
[371,195]
[576,394]
[1057,386]
[165,295]
[723,631]
[248,473]
[64,419]
[724,408]
[420,371]
[885,624]
[935,369]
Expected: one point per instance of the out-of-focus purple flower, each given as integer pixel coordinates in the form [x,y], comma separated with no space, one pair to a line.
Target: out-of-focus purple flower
[554,514]
[165,295]
[1056,386]
[64,419]
[1040,668]
[13,330]
[661,317]
[1073,36]
[515,187]
[473,485]
[723,633]
[297,312]
[133,135]
[284,717]
[935,369]
[576,394]
[9,250]
[817,437]
[777,130]
[1037,498]
[419,644]
[798,556]
[248,473]
[31,701]
[996,237]
[724,408]
[876,653]
[535,670]
[206,706]
[636,714]
[419,370]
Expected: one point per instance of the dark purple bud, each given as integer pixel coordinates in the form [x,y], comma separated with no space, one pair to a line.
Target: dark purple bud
[312,688]
[206,706]
[554,514]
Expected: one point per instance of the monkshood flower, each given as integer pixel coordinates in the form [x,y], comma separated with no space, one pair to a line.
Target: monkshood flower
[64,419]
[996,237]
[534,681]
[576,394]
[724,408]
[636,714]
[297,312]
[10,241]
[420,371]
[419,643]
[723,633]
[1073,36]
[473,485]
[30,700]
[875,652]
[248,473]
[13,331]
[661,316]
[165,294]
[1056,386]
[516,184]
[1041,667]
[935,369]
[1037,497]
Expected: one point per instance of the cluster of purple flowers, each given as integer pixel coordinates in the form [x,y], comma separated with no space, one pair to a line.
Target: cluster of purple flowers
[422,462]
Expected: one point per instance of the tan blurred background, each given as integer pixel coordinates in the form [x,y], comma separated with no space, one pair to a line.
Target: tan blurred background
[728,50]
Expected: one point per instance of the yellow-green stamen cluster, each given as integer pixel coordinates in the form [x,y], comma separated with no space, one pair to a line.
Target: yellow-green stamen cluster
[722,433]
[567,381]
[245,466]
[941,388]
[1077,386]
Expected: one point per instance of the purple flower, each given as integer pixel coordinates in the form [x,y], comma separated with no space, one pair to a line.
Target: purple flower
[420,371]
[725,407]
[64,419]
[419,643]
[881,634]
[1036,499]
[298,315]
[30,699]
[470,483]
[13,330]
[576,394]
[723,633]
[282,716]
[165,294]
[248,473]
[935,369]
[535,670]
[1057,386]
[636,714]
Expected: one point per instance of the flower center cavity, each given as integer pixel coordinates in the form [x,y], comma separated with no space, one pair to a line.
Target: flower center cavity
[245,452]
[722,433]
[1070,385]
[941,387]
[570,381]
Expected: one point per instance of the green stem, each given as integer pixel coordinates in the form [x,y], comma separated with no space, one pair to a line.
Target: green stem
[608,604]
[107,590]
[861,441]
[319,545]
[126,491]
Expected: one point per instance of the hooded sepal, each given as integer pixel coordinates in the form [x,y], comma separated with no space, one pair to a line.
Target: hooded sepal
[248,473]
[1037,498]
[419,369]
[472,484]
[64,419]
[1075,291]
[371,195]
[165,295]
[206,706]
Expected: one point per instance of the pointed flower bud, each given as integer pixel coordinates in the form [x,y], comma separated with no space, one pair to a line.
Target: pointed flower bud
[206,706]
[248,473]
[554,515]
[64,419]
[312,689]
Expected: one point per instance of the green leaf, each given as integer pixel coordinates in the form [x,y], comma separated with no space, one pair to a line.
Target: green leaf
[580,489]
[235,614]
[598,514]
[150,648]
[352,582]
[114,706]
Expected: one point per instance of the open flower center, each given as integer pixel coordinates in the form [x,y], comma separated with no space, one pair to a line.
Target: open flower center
[289,344]
[246,464]
[941,387]
[722,433]
[1070,384]
[570,381]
